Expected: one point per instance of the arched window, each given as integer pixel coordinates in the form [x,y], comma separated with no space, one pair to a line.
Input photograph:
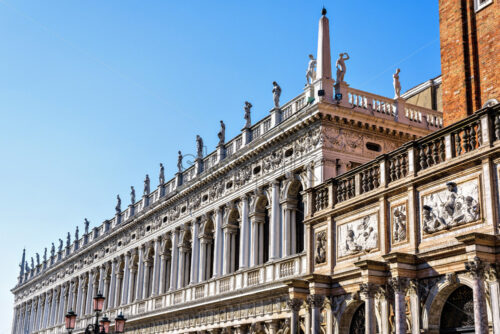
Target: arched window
[458,312]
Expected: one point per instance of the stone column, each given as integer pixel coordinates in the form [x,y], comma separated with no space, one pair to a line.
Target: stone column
[119,284]
[157,265]
[272,326]
[274,222]
[232,268]
[414,306]
[254,252]
[399,285]
[126,279]
[476,271]
[193,279]
[79,295]
[81,309]
[244,233]
[102,274]
[162,274]
[287,247]
[110,298]
[90,289]
[173,270]
[367,293]
[492,280]
[218,243]
[226,264]
[294,304]
[180,276]
[260,248]
[55,304]
[203,258]
[38,313]
[147,278]
[132,283]
[140,275]
[315,303]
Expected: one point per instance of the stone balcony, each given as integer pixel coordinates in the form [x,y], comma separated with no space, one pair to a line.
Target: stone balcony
[268,276]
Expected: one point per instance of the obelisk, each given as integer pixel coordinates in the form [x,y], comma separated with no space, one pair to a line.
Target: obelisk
[324,82]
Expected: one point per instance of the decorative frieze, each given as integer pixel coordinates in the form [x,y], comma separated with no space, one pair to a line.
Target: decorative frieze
[360,235]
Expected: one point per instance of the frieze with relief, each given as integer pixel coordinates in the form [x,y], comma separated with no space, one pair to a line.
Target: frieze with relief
[399,223]
[454,205]
[360,235]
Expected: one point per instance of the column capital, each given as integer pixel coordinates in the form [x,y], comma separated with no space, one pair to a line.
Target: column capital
[368,290]
[475,268]
[315,301]
[399,284]
[295,304]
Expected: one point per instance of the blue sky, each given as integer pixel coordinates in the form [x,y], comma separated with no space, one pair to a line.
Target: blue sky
[94,94]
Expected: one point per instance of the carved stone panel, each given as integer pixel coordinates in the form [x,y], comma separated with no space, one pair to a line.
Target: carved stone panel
[451,205]
[358,236]
[320,244]
[399,223]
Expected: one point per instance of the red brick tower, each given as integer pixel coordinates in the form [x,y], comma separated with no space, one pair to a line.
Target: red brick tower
[470,55]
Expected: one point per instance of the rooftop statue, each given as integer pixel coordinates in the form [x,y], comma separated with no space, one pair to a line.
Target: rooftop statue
[341,68]
[179,162]
[77,234]
[132,195]
[162,174]
[397,84]
[86,223]
[26,268]
[146,185]
[68,239]
[32,263]
[45,255]
[21,265]
[248,107]
[199,147]
[222,133]
[118,207]
[60,244]
[276,94]
[311,70]
[37,259]
[53,250]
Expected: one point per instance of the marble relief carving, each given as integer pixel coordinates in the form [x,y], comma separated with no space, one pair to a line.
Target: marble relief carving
[455,205]
[320,248]
[360,235]
[399,223]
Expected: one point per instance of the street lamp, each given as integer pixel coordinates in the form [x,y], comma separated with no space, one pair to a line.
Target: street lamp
[99,327]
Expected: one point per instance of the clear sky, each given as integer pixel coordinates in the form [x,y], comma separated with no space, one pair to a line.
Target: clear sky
[94,94]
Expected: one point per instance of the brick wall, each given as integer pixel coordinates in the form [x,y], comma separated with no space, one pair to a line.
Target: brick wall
[470,55]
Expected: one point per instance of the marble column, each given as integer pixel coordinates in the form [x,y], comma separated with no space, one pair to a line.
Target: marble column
[260,247]
[132,283]
[294,304]
[175,251]
[193,279]
[203,258]
[254,252]
[81,310]
[147,278]
[102,274]
[232,259]
[414,306]
[32,315]
[118,288]
[476,271]
[367,292]
[180,276]
[226,263]
[244,234]
[274,222]
[315,303]
[399,285]
[110,298]
[126,279]
[287,246]
[218,251]
[140,275]
[79,294]
[90,289]
[492,276]
[163,273]
[157,267]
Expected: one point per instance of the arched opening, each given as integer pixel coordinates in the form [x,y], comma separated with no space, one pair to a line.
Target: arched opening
[148,271]
[206,250]
[357,325]
[260,231]
[185,258]
[457,315]
[231,239]
[166,265]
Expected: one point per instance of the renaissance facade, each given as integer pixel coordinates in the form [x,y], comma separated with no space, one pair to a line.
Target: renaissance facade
[312,220]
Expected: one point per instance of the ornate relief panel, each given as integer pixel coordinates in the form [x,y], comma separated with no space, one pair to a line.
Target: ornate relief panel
[399,223]
[320,247]
[357,236]
[450,205]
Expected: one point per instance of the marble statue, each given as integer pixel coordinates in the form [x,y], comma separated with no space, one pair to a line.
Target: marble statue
[132,195]
[311,70]
[397,84]
[86,223]
[341,68]
[26,268]
[320,254]
[21,264]
[32,263]
[248,107]
[455,205]
[118,207]
[179,162]
[68,239]
[37,259]
[147,185]
[222,133]
[199,147]
[45,255]
[77,234]
[162,174]
[60,244]
[276,94]
[52,250]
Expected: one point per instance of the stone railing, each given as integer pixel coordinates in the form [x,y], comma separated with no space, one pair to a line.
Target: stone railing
[442,147]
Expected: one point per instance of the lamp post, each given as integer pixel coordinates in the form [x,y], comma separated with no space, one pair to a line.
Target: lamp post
[99,327]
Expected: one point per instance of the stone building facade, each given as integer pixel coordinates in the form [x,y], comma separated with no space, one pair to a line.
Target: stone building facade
[341,212]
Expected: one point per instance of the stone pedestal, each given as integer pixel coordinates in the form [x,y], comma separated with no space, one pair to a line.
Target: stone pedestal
[246,136]
[341,88]
[198,166]
[221,153]
[131,210]
[145,201]
[275,117]
[178,179]
[400,113]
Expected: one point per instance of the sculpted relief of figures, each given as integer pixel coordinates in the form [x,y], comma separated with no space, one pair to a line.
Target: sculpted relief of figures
[358,236]
[399,223]
[320,248]
[456,205]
